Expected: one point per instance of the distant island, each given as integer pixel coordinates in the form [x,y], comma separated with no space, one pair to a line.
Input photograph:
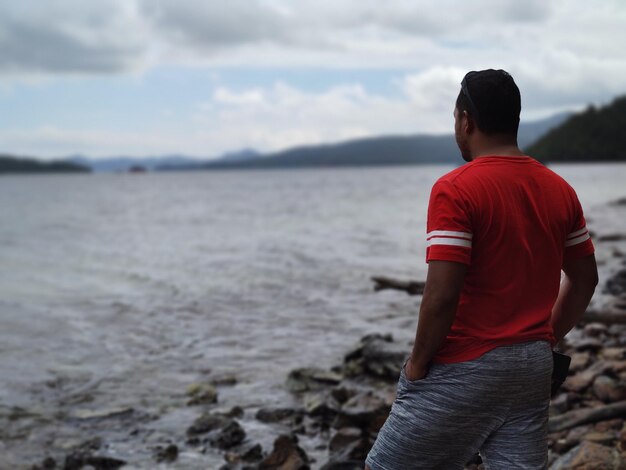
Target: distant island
[593,135]
[11,164]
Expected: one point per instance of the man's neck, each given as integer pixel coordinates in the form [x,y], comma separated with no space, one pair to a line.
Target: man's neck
[500,151]
[500,145]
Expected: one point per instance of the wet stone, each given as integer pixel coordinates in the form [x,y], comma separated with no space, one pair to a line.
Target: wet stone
[342,394]
[343,437]
[605,438]
[321,405]
[589,344]
[589,456]
[285,455]
[229,436]
[208,422]
[595,329]
[273,415]
[364,411]
[353,454]
[253,453]
[235,412]
[582,380]
[609,425]
[608,389]
[614,354]
[379,356]
[311,378]
[200,393]
[78,460]
[167,454]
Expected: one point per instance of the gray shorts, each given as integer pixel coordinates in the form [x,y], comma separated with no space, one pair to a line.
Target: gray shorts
[496,404]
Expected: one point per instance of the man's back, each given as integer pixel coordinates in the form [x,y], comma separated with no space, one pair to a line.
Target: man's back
[509,219]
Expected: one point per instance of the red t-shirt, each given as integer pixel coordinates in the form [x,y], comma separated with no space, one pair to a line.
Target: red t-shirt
[513,222]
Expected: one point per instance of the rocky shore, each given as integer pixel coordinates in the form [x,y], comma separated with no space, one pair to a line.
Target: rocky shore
[339,410]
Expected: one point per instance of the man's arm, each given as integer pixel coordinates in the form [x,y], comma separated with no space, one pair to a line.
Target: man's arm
[444,282]
[577,287]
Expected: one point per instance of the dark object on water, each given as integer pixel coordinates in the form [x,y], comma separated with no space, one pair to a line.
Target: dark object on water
[410,287]
[559,372]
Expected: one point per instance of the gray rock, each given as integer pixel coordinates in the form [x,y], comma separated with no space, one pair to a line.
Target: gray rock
[167,454]
[343,437]
[311,378]
[229,436]
[342,394]
[274,415]
[208,422]
[582,380]
[376,355]
[590,456]
[321,404]
[78,460]
[201,393]
[286,455]
[365,411]
[608,389]
[589,344]
[595,329]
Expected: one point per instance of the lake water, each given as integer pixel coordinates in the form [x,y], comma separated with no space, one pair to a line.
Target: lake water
[133,286]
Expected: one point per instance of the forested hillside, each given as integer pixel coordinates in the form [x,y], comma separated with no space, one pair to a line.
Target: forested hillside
[597,134]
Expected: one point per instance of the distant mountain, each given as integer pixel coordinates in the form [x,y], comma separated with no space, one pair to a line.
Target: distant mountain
[389,150]
[593,135]
[245,154]
[11,164]
[195,164]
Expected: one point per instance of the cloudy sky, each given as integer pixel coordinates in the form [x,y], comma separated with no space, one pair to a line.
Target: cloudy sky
[154,77]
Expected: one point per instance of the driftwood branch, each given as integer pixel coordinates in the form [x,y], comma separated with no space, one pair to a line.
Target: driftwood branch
[609,316]
[575,418]
[410,287]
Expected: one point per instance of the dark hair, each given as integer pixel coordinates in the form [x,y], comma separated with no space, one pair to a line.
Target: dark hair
[493,100]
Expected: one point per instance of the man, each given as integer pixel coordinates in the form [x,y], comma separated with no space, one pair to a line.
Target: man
[500,230]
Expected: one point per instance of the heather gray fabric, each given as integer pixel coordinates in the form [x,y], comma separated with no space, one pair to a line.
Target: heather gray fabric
[497,403]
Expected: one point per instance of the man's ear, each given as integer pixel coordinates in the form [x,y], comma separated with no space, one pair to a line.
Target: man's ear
[467,123]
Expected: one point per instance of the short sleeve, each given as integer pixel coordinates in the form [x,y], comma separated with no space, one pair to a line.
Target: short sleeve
[449,232]
[578,240]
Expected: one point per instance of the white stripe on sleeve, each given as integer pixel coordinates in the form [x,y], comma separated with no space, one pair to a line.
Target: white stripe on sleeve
[449,241]
[577,240]
[448,233]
